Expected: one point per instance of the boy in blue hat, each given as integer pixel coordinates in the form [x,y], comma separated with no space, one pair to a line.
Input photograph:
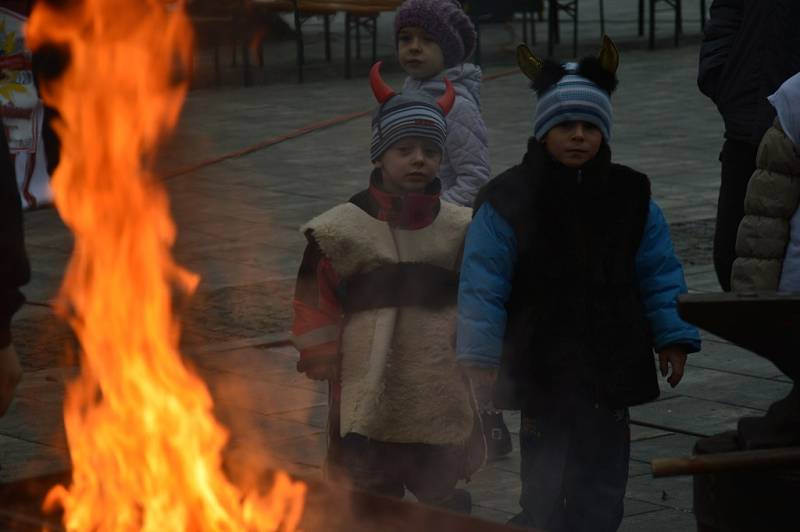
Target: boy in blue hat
[569,282]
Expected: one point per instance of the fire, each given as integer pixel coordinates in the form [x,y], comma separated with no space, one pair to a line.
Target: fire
[145,447]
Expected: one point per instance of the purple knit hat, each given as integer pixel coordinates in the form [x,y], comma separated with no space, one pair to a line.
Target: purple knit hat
[445,21]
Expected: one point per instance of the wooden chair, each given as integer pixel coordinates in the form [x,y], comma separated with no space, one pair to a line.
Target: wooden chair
[482,12]
[677,5]
[358,15]
[215,24]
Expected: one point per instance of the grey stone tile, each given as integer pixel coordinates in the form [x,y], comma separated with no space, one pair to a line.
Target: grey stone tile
[490,514]
[307,450]
[638,469]
[316,416]
[511,462]
[22,459]
[496,489]
[692,414]
[673,445]
[34,421]
[673,492]
[731,389]
[249,428]
[218,273]
[639,432]
[662,521]
[259,396]
[637,507]
[724,356]
[249,362]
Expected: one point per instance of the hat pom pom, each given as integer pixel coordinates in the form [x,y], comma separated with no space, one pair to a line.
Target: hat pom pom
[550,74]
[591,69]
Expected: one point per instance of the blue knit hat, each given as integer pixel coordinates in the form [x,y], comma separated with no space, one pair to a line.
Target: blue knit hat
[573,98]
[411,113]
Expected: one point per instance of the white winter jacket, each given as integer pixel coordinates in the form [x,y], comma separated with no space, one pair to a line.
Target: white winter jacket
[465,165]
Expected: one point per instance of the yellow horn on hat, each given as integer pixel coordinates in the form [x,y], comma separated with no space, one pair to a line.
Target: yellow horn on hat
[528,62]
[609,55]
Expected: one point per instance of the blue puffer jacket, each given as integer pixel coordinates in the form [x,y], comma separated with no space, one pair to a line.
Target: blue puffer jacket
[465,166]
[488,266]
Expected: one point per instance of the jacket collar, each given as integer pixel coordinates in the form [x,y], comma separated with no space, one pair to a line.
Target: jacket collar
[590,176]
[407,211]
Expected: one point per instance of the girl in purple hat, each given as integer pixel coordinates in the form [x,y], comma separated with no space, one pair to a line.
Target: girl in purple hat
[434,39]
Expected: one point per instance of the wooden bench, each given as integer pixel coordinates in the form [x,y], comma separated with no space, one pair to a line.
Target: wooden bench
[358,14]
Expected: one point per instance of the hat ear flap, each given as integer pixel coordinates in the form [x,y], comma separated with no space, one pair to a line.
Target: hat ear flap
[609,55]
[530,64]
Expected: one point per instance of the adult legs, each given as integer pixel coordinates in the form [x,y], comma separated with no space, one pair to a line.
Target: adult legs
[738,164]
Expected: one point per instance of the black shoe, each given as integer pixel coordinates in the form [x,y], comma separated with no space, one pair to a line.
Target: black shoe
[498,439]
[460,502]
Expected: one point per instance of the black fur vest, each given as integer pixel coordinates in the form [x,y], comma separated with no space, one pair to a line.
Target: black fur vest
[576,323]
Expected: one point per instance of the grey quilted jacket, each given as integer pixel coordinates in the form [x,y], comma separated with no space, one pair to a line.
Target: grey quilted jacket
[773,195]
[465,166]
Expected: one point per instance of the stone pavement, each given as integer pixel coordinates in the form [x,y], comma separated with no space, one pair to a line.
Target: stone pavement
[238,223]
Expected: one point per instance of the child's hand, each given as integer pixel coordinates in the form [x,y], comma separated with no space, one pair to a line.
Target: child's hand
[675,356]
[323,372]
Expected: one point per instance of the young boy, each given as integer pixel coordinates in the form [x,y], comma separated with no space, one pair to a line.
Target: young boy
[374,302]
[434,38]
[569,280]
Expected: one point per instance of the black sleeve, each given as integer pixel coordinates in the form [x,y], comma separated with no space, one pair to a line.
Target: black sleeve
[719,35]
[14,266]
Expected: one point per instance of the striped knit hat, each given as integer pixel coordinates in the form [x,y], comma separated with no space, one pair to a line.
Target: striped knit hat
[408,114]
[573,98]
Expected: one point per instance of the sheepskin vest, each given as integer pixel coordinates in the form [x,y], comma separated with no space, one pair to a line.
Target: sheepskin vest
[399,378]
[772,197]
[576,322]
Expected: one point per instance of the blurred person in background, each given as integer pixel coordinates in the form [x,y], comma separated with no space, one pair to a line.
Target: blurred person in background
[768,241]
[749,48]
[14,272]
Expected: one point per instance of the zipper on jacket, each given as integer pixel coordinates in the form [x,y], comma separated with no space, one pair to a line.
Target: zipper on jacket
[580,176]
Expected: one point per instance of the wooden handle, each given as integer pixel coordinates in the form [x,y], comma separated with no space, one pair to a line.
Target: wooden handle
[782,457]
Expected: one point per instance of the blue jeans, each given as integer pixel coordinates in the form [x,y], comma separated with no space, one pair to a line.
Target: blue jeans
[574,467]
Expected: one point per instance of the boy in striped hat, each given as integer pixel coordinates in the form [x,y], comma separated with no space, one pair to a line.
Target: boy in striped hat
[569,282]
[375,315]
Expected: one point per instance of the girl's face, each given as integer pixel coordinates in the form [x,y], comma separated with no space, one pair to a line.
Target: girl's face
[419,54]
[573,144]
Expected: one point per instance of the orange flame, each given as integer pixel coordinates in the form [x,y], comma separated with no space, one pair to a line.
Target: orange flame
[145,447]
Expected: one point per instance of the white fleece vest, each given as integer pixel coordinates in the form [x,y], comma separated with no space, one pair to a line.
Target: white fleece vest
[399,377]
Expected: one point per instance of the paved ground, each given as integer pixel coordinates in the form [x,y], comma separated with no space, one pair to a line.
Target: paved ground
[238,223]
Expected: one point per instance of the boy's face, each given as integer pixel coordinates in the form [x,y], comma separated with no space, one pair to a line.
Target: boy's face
[419,54]
[573,144]
[409,165]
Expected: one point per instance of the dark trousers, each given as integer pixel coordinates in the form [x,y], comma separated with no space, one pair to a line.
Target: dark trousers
[574,468]
[430,472]
[738,164]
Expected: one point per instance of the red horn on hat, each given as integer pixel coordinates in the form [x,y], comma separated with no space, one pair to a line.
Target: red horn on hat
[448,98]
[381,90]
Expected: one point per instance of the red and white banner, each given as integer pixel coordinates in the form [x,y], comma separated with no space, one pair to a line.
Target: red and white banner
[22,112]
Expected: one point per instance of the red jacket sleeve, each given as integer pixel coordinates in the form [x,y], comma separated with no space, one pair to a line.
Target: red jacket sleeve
[317,313]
